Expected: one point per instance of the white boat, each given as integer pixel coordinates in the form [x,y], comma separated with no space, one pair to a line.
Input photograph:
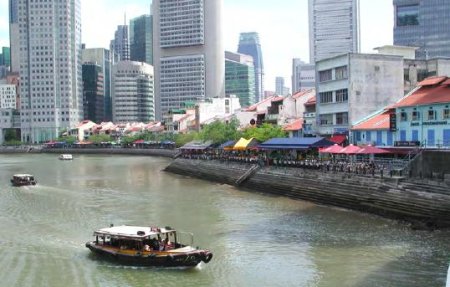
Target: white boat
[65,157]
[448,278]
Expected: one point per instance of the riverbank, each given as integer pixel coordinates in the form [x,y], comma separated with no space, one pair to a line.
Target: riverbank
[423,203]
[170,153]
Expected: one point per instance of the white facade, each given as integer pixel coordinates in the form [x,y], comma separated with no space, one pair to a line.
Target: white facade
[50,68]
[333,28]
[218,108]
[188,52]
[352,86]
[133,92]
[7,96]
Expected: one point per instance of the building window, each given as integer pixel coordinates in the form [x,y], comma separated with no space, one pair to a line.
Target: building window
[342,95]
[342,118]
[403,116]
[326,97]
[341,73]
[325,76]
[415,116]
[431,115]
[408,15]
[326,120]
[446,114]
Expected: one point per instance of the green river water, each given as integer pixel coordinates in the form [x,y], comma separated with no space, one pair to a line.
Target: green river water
[257,240]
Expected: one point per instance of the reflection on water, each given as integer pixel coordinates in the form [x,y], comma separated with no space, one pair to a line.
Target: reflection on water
[257,240]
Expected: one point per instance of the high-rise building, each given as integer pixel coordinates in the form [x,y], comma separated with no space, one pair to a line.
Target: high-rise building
[240,77]
[141,39]
[133,92]
[103,58]
[14,35]
[333,28]
[279,86]
[50,68]
[93,96]
[423,24]
[120,45]
[249,45]
[188,51]
[303,76]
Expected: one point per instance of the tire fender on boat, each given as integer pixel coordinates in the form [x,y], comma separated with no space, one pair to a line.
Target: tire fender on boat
[207,257]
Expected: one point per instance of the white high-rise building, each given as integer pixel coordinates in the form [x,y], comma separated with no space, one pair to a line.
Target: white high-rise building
[50,68]
[133,92]
[333,28]
[188,52]
[303,76]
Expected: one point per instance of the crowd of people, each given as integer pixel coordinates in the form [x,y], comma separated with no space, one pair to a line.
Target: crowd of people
[362,165]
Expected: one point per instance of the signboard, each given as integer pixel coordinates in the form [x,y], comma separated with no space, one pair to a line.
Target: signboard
[407,143]
[393,122]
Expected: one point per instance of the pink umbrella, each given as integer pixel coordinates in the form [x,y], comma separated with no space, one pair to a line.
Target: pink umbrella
[372,150]
[350,149]
[332,149]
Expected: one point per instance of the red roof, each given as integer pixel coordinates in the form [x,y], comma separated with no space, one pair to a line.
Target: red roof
[255,106]
[378,122]
[431,81]
[426,95]
[302,93]
[278,99]
[294,126]
[338,139]
[311,102]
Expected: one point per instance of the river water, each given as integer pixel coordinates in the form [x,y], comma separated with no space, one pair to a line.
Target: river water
[257,240]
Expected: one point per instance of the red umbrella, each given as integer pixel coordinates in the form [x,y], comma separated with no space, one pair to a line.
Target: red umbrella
[331,149]
[372,150]
[350,149]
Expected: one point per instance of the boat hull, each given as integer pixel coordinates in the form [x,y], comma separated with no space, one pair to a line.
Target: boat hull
[14,183]
[156,258]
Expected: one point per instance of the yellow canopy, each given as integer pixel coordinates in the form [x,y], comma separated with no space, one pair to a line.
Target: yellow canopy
[242,144]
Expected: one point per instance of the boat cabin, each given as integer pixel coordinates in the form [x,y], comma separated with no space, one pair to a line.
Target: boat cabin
[23,179]
[65,157]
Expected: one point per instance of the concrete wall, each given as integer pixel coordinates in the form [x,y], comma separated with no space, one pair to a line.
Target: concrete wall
[432,165]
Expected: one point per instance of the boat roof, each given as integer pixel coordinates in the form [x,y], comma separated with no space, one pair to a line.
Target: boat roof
[23,175]
[132,231]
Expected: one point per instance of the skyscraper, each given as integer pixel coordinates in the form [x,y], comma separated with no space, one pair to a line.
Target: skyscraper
[240,77]
[93,96]
[249,45]
[133,92]
[303,76]
[141,39]
[333,28]
[14,35]
[279,86]
[188,50]
[50,68]
[423,24]
[120,45]
[103,58]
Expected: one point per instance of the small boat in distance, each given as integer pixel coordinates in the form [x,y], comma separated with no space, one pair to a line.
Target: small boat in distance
[65,157]
[23,179]
[147,246]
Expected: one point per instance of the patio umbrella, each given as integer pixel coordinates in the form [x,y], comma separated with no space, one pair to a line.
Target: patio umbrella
[350,149]
[332,149]
[372,150]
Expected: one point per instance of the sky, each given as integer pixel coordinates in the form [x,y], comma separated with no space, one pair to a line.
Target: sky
[282,27]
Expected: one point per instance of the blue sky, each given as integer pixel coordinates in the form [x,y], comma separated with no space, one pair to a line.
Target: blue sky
[282,25]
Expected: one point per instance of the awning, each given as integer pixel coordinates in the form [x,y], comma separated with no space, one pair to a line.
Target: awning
[350,149]
[339,139]
[243,144]
[227,145]
[372,150]
[332,149]
[196,145]
[139,142]
[296,143]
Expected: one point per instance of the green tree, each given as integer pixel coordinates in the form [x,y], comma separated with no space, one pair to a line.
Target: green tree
[11,135]
[220,132]
[67,139]
[182,139]
[100,138]
[264,132]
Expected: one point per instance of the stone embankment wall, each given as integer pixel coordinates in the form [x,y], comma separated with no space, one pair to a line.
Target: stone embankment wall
[118,151]
[432,165]
[426,205]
